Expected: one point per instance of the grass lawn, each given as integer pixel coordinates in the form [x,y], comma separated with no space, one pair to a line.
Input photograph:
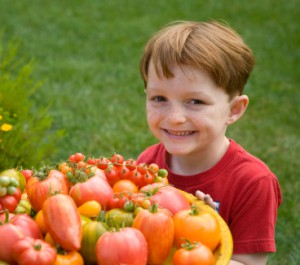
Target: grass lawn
[88,54]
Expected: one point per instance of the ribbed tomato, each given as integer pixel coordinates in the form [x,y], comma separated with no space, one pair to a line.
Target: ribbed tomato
[40,188]
[91,232]
[158,229]
[63,222]
[128,246]
[95,188]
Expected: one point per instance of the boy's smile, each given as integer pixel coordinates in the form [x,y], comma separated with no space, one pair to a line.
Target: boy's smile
[188,113]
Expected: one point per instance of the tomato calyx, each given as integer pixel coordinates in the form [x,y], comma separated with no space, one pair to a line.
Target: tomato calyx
[194,210]
[188,245]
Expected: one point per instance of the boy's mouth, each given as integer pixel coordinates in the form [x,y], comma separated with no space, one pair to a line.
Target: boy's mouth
[179,133]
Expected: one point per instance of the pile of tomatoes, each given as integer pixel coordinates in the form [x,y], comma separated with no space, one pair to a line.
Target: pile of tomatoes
[88,210]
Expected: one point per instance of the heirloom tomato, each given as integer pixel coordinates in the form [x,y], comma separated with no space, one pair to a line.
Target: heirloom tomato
[23,206]
[91,232]
[166,196]
[27,225]
[40,187]
[158,229]
[95,188]
[119,218]
[28,251]
[63,221]
[196,226]
[128,244]
[193,254]
[10,234]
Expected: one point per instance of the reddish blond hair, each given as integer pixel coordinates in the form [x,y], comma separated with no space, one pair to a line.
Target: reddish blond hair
[209,46]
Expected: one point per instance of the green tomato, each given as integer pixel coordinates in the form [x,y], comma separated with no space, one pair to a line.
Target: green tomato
[162,173]
[128,206]
[4,181]
[13,182]
[13,173]
[11,190]
[119,218]
[3,191]
[91,232]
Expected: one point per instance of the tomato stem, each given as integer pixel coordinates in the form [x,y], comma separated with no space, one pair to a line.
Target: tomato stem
[194,210]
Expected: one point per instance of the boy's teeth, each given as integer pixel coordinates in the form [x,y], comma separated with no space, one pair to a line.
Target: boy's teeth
[180,133]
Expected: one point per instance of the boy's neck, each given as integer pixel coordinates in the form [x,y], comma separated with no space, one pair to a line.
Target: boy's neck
[197,163]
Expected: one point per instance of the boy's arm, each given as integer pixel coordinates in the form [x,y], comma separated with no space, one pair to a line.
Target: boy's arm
[249,259]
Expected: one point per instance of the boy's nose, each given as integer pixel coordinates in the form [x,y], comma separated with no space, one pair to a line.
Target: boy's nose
[176,114]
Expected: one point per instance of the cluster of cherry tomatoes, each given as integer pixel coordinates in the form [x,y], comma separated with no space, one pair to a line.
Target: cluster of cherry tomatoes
[117,168]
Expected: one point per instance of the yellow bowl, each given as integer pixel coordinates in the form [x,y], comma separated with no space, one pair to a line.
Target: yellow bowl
[223,252]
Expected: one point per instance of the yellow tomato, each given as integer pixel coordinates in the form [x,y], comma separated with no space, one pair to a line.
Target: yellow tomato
[90,209]
[69,258]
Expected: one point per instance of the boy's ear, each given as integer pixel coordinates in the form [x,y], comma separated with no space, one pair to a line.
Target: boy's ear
[238,106]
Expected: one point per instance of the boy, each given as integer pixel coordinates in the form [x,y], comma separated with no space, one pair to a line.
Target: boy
[194,75]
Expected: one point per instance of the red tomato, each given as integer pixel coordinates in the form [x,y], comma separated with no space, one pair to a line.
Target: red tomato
[102,163]
[28,251]
[131,164]
[167,197]
[135,176]
[10,202]
[128,244]
[27,173]
[196,226]
[39,189]
[117,160]
[77,157]
[9,235]
[117,201]
[27,225]
[63,222]
[95,188]
[112,175]
[158,229]
[193,254]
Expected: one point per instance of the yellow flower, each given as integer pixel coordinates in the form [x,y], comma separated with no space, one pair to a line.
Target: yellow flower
[6,127]
[1,117]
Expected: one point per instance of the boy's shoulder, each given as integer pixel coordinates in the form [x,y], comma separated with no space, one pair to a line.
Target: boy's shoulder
[151,154]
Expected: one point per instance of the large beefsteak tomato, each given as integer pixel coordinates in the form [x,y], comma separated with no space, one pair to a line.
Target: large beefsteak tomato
[95,188]
[28,251]
[128,244]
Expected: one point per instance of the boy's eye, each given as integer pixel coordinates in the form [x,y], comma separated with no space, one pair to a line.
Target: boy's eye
[159,99]
[196,101]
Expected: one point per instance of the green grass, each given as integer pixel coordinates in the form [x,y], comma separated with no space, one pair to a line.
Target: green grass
[88,54]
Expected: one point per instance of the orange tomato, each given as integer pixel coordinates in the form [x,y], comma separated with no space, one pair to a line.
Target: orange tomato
[69,258]
[196,226]
[193,254]
[90,208]
[125,186]
[39,218]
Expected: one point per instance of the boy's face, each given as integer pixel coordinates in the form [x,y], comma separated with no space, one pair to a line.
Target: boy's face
[188,113]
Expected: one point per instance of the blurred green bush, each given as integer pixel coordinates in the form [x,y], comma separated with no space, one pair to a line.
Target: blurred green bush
[26,136]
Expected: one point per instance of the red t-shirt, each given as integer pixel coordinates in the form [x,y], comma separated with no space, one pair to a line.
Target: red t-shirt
[247,191]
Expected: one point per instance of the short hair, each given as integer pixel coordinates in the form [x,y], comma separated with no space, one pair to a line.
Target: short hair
[209,46]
